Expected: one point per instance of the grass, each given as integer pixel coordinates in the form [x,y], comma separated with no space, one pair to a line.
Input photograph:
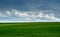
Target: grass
[30,29]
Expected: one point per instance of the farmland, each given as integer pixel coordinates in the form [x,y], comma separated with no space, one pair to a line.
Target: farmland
[30,29]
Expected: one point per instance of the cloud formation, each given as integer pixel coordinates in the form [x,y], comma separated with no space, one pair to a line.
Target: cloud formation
[29,15]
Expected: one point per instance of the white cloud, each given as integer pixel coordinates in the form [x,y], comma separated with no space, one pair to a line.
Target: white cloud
[30,15]
[8,13]
[2,15]
[40,14]
[21,14]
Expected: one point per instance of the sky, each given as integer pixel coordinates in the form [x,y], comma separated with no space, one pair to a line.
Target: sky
[30,10]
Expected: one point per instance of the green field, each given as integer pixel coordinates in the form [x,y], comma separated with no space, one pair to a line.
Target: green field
[30,29]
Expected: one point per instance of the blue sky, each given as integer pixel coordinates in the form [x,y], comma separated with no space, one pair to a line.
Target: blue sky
[30,10]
